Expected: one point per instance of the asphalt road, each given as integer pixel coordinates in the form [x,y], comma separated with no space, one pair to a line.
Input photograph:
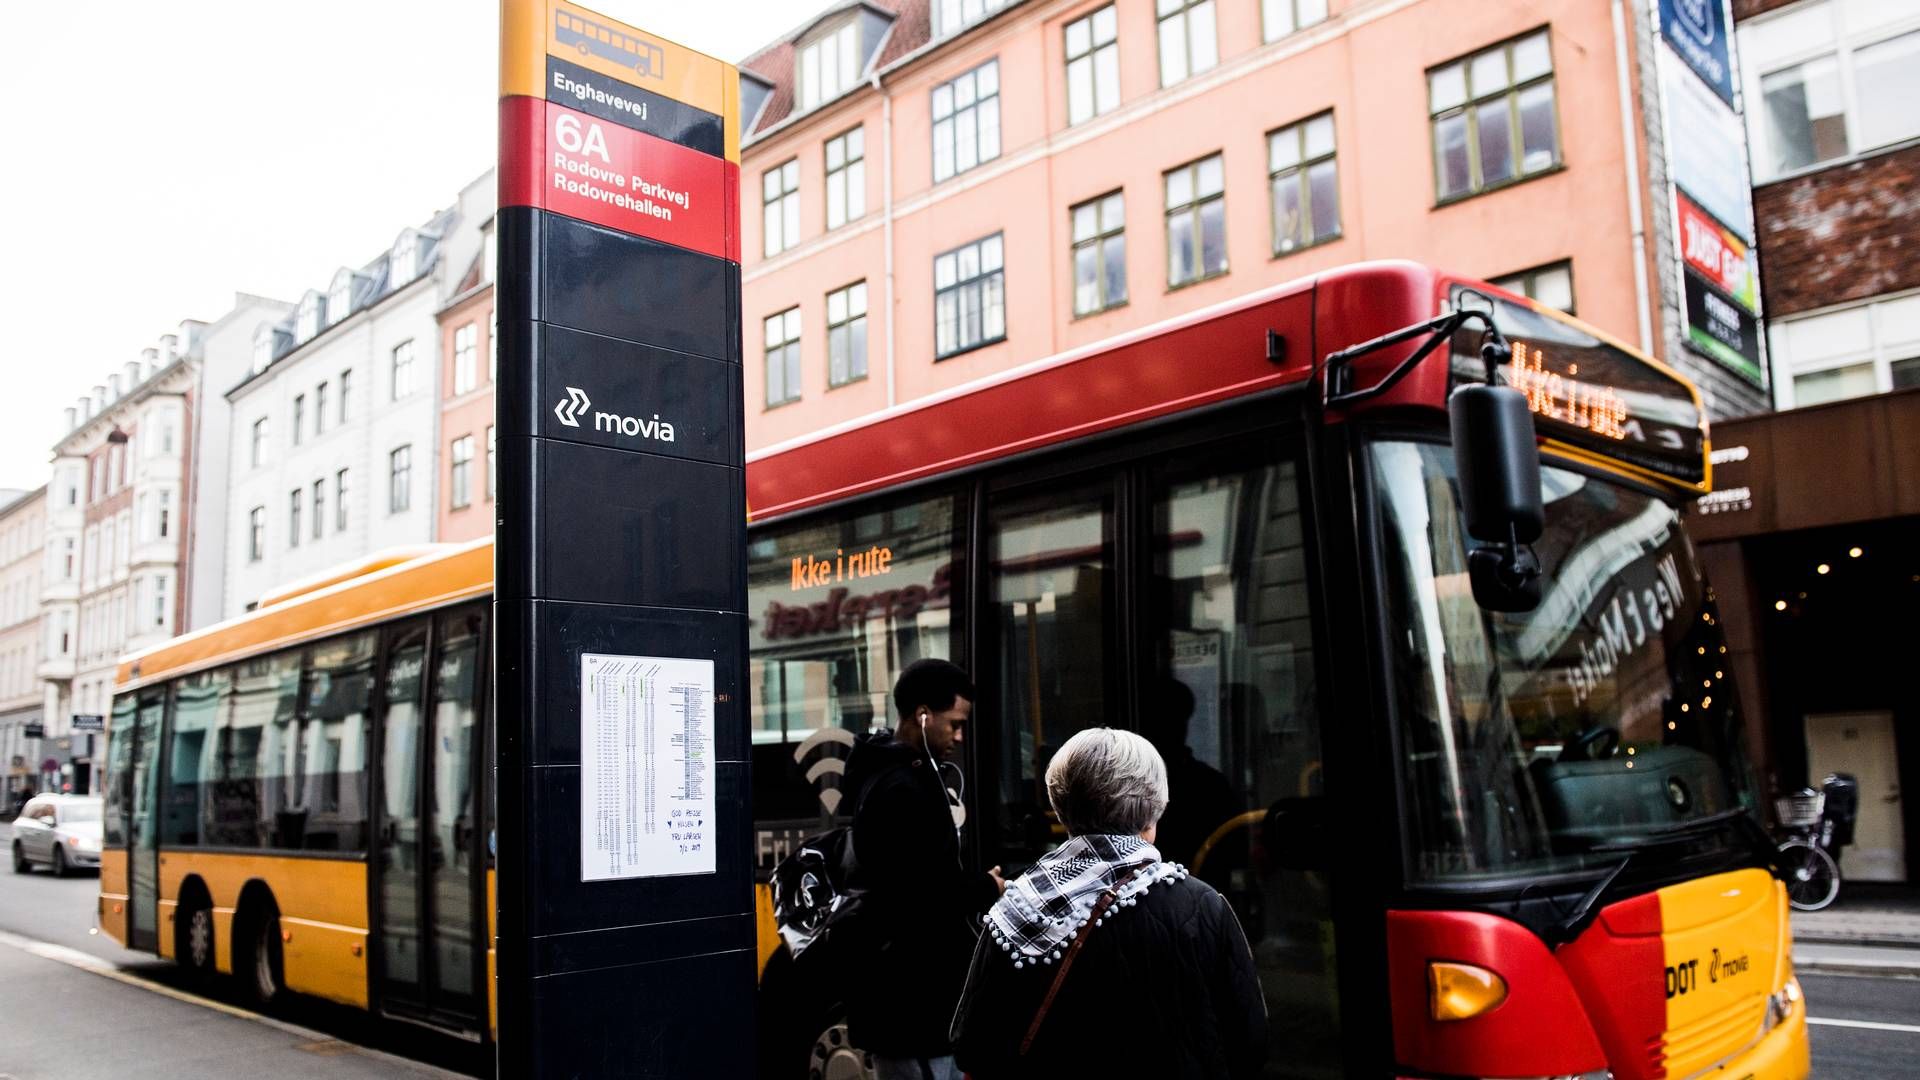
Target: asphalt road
[1863,1028]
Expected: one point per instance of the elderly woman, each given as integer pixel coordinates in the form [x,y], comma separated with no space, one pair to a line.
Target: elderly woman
[1103,960]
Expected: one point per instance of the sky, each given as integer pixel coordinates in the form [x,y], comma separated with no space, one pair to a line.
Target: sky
[159,157]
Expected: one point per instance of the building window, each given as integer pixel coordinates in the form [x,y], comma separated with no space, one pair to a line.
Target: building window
[1189,44]
[346,392]
[340,301]
[404,263]
[1282,17]
[402,370]
[1093,65]
[293,517]
[969,297]
[493,467]
[258,455]
[319,508]
[846,177]
[308,320]
[847,334]
[262,351]
[1196,222]
[165,524]
[951,15]
[466,348]
[830,66]
[966,121]
[1306,186]
[780,207]
[320,408]
[1099,254]
[1865,349]
[1832,80]
[299,416]
[160,600]
[340,501]
[1493,117]
[400,479]
[459,482]
[1550,285]
[783,357]
[256,534]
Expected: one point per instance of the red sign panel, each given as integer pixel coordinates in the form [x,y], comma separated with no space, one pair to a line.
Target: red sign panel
[553,158]
[1714,250]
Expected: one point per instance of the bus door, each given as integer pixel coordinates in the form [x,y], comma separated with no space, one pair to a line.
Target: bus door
[143,821]
[429,893]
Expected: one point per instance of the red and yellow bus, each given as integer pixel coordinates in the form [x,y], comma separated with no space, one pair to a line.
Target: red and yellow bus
[1464,840]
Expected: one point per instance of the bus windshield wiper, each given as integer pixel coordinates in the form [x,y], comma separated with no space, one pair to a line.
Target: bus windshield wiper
[1575,921]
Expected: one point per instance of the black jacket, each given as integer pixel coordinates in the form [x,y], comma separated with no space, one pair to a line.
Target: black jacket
[919,918]
[1165,988]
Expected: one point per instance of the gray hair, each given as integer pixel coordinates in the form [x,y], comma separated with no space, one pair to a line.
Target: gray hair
[1105,781]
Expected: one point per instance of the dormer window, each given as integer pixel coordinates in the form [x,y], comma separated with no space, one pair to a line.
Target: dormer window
[262,349]
[340,298]
[404,265]
[311,310]
[830,65]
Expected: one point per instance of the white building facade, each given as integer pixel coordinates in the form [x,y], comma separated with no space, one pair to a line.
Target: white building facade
[23,528]
[332,454]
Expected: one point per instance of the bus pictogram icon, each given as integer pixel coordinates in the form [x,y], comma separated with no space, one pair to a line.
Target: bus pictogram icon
[590,38]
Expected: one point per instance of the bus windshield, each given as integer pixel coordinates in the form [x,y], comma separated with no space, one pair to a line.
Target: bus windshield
[1551,740]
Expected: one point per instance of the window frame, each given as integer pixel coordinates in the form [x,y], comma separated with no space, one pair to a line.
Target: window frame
[1185,14]
[1880,352]
[1301,170]
[319,501]
[1090,56]
[847,319]
[1268,37]
[1841,47]
[256,534]
[1194,205]
[294,500]
[400,479]
[844,177]
[1098,242]
[459,469]
[466,351]
[787,199]
[1527,279]
[401,370]
[951,120]
[1469,108]
[790,339]
[980,279]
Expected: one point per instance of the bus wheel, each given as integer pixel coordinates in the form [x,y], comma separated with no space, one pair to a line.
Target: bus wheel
[20,863]
[263,974]
[834,1057]
[194,946]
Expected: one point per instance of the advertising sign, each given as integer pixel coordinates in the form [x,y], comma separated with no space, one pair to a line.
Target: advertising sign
[1721,328]
[89,722]
[1712,249]
[33,731]
[625,847]
[1706,146]
[1697,30]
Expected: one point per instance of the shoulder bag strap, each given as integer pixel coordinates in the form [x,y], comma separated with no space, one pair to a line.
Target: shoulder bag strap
[1100,907]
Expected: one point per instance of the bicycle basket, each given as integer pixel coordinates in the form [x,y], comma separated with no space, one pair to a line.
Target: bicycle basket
[1799,810]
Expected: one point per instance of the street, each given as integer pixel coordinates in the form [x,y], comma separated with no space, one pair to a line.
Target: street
[1863,1028]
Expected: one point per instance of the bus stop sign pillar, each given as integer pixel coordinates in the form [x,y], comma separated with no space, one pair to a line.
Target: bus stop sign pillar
[625,903]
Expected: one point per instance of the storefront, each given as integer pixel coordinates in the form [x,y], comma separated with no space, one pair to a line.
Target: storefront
[1812,540]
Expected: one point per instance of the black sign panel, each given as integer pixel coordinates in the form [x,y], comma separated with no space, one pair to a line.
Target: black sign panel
[89,722]
[34,731]
[1722,328]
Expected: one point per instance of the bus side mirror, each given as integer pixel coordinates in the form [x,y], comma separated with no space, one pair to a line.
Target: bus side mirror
[1498,461]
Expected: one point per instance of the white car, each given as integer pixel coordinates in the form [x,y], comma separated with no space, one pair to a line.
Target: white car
[61,832]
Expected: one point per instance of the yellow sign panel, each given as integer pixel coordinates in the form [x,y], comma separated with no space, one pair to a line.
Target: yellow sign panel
[533,30]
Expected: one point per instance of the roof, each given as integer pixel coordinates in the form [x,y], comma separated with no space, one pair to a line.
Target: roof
[776,63]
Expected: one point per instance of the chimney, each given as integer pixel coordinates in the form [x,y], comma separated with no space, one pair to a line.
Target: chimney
[134,374]
[85,408]
[169,348]
[99,399]
[113,388]
[73,418]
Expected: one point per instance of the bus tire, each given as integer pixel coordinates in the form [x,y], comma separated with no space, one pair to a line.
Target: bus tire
[803,1019]
[193,935]
[262,974]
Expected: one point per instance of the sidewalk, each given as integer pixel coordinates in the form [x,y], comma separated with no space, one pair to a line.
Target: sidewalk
[1871,929]
[73,1017]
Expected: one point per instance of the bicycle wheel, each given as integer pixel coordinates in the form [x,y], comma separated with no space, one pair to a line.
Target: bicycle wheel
[1812,877]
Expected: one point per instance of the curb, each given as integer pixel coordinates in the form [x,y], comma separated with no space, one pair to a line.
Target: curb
[1884,969]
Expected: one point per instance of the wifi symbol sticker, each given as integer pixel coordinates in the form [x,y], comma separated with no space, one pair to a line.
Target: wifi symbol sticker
[828,765]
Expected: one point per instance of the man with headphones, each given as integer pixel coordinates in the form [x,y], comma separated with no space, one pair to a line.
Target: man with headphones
[922,906]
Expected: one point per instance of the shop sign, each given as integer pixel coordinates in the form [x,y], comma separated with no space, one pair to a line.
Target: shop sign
[1720,256]
[1697,30]
[85,722]
[1720,328]
[1706,147]
[34,730]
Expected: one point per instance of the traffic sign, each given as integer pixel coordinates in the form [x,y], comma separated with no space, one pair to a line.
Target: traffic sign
[624,853]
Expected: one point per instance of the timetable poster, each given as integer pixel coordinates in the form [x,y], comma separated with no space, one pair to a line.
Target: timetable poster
[646,767]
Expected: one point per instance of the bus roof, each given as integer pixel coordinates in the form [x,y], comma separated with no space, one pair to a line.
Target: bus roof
[442,574]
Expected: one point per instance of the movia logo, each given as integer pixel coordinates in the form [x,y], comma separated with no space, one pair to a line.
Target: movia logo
[575,406]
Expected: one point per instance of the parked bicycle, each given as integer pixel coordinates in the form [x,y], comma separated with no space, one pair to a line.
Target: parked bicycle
[1818,823]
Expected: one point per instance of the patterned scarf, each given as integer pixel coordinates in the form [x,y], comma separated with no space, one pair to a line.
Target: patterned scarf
[1045,907]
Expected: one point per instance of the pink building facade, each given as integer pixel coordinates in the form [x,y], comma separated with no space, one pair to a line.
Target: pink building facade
[928,200]
[468,364]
